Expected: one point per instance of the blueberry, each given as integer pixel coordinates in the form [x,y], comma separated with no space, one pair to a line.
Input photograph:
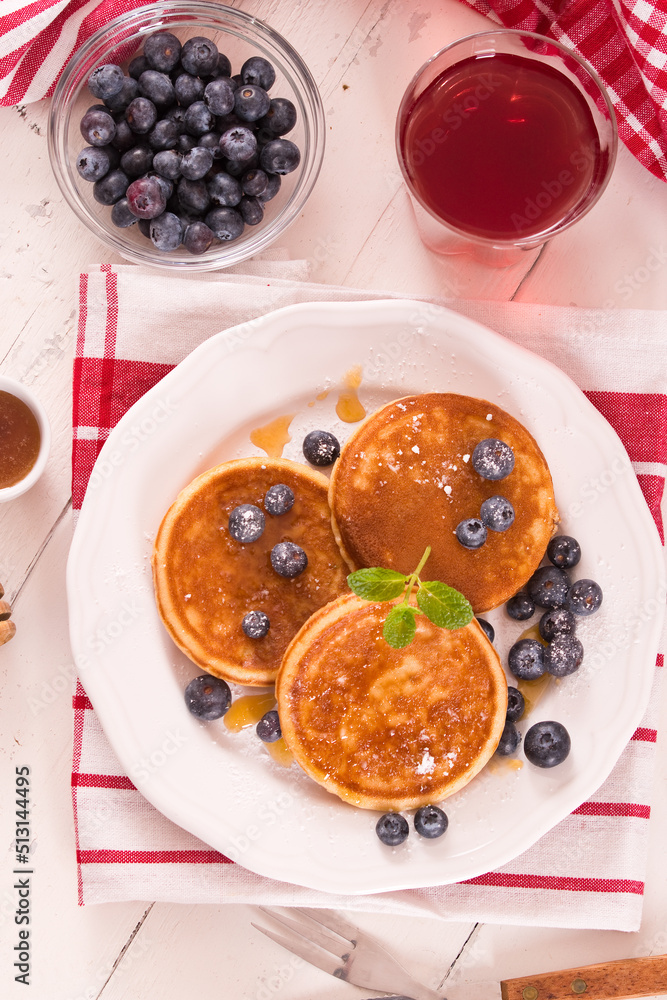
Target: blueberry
[226,223]
[521,607]
[93,162]
[526,659]
[146,197]
[197,163]
[547,744]
[251,102]
[162,51]
[121,215]
[497,513]
[97,127]
[252,210]
[137,66]
[237,168]
[208,697]
[193,195]
[166,186]
[564,551]
[124,97]
[197,237]
[272,188]
[259,71]
[164,135]
[238,143]
[392,829]
[254,182]
[167,163]
[141,115]
[137,161]
[224,190]
[111,187]
[279,499]
[516,704]
[471,533]
[223,67]
[199,56]
[492,459]
[105,81]
[563,655]
[321,448]
[430,822]
[219,96]
[124,138]
[280,118]
[268,728]
[558,621]
[584,597]
[199,119]
[280,156]
[288,559]
[246,523]
[510,738]
[157,87]
[487,628]
[187,142]
[166,232]
[188,89]
[548,587]
[211,141]
[255,624]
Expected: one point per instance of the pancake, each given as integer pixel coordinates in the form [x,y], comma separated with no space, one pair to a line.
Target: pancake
[404,480]
[387,728]
[205,581]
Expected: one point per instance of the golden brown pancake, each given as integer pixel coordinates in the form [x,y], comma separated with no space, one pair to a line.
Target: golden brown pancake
[404,480]
[388,728]
[205,581]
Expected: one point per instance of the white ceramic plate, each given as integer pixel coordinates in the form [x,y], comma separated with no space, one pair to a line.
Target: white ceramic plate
[224,787]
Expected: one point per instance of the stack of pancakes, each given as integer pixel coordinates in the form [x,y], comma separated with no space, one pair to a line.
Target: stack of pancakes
[379,727]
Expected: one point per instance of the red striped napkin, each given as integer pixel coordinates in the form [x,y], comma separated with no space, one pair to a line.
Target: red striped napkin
[134,326]
[626,42]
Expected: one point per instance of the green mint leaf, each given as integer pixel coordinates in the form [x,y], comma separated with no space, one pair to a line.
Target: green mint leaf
[400,626]
[376,584]
[443,605]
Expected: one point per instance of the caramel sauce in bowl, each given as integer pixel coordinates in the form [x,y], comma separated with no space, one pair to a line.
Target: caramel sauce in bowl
[25,439]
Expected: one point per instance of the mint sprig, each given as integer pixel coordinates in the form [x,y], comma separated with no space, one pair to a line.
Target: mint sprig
[442,605]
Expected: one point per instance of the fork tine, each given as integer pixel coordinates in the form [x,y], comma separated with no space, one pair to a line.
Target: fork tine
[299,946]
[335,922]
[307,927]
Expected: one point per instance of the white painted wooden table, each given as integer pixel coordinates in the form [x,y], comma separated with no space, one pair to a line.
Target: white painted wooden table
[357,230]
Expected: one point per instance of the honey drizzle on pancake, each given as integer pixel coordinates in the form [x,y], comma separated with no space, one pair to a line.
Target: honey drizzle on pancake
[248,710]
[349,407]
[273,437]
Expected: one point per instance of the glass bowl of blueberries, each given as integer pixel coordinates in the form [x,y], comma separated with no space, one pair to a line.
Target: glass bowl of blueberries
[186,135]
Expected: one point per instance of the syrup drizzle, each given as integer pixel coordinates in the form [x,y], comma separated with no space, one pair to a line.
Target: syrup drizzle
[273,437]
[349,408]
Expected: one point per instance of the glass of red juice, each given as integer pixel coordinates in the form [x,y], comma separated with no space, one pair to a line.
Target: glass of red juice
[505,138]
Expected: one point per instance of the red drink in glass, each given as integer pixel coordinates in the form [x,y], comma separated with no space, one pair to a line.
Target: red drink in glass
[501,148]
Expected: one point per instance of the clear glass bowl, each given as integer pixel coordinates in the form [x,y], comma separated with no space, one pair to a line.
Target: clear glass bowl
[239,36]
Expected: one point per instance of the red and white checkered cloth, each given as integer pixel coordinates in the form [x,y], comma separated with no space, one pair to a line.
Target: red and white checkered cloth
[134,326]
[625,40]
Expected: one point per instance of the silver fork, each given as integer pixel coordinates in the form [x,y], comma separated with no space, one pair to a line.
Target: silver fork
[326,940]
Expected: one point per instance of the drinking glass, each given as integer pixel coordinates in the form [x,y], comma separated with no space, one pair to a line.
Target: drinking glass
[505,139]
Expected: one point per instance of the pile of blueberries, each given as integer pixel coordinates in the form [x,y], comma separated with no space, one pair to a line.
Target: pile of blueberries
[562,603]
[491,459]
[183,148]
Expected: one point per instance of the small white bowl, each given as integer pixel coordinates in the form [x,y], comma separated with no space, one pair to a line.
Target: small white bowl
[17,389]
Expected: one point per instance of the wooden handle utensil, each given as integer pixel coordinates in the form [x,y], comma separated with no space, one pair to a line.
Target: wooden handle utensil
[632,977]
